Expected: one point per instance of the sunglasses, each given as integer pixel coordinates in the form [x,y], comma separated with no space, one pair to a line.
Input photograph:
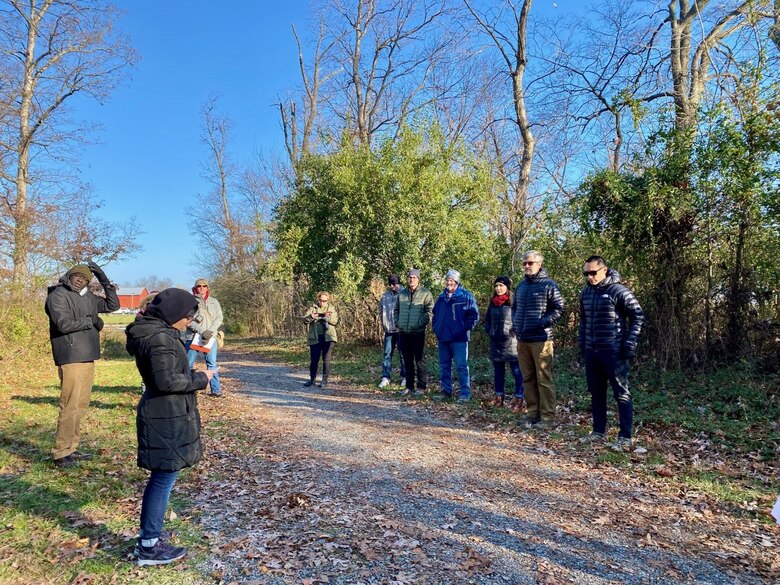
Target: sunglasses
[590,272]
[529,263]
[202,286]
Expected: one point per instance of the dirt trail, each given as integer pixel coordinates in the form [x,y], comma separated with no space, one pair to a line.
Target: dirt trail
[348,486]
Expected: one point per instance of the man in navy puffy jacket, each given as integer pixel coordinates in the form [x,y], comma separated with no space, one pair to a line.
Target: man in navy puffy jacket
[536,308]
[455,314]
[610,322]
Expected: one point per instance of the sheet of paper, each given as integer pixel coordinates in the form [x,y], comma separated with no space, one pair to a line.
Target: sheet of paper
[776,510]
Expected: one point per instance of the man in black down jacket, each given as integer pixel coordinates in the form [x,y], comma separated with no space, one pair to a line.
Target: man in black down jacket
[537,306]
[610,323]
[74,331]
[167,421]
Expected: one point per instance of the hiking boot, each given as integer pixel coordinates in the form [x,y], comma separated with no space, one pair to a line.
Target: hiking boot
[216,394]
[517,405]
[79,456]
[528,422]
[621,445]
[162,553]
[309,383]
[384,382]
[544,424]
[67,461]
[593,437]
[498,400]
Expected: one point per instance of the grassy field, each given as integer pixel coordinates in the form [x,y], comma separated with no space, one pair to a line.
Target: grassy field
[76,525]
[717,433]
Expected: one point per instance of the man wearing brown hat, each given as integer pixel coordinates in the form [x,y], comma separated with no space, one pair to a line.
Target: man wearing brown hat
[413,312]
[74,331]
[207,322]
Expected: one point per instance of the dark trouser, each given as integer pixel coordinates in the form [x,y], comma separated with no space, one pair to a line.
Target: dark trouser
[156,496]
[600,368]
[413,352]
[321,348]
[499,377]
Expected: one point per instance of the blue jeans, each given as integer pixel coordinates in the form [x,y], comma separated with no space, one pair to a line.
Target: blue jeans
[391,342]
[499,377]
[602,368]
[211,364]
[156,496]
[458,351]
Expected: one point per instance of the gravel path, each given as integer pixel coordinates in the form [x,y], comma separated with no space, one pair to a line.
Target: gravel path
[348,486]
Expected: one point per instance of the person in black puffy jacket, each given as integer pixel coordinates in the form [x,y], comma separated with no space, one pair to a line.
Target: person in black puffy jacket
[536,308]
[167,420]
[74,330]
[503,346]
[610,323]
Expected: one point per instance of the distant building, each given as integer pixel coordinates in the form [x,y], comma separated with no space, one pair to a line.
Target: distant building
[130,296]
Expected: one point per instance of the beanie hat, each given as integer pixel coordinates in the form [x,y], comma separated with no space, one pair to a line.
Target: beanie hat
[393,279]
[201,281]
[172,304]
[81,270]
[453,274]
[505,280]
[413,272]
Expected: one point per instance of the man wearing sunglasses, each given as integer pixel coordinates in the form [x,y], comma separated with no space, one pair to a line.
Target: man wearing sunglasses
[610,323]
[207,321]
[536,308]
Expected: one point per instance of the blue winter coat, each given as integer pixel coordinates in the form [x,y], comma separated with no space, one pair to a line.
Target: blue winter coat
[454,318]
[537,305]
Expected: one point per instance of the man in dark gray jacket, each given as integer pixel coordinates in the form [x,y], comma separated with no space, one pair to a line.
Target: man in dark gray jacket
[74,330]
[390,327]
[610,323]
[536,308]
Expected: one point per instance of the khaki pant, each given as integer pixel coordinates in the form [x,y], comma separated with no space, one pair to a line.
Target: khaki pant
[536,363]
[75,390]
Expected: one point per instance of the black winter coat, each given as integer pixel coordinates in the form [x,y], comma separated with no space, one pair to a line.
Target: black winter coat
[605,310]
[74,338]
[167,420]
[537,306]
[498,325]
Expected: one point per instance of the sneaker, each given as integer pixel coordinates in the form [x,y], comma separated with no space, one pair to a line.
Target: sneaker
[384,382]
[403,382]
[442,397]
[622,445]
[79,456]
[67,461]
[593,437]
[406,392]
[308,383]
[216,394]
[161,553]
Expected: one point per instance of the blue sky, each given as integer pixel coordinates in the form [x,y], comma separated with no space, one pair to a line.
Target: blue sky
[148,155]
[147,161]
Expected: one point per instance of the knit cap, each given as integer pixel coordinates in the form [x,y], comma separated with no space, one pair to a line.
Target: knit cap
[453,274]
[172,304]
[81,270]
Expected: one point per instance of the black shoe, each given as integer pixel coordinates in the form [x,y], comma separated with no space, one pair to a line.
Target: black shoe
[79,456]
[161,553]
[442,397]
[309,383]
[67,461]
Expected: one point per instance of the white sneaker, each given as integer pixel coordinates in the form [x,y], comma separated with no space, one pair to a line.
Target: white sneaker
[384,382]
[403,382]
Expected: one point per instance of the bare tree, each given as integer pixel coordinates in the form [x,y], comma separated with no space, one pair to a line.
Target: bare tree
[385,51]
[512,47]
[52,51]
[154,282]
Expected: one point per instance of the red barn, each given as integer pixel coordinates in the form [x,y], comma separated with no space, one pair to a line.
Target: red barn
[130,297]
